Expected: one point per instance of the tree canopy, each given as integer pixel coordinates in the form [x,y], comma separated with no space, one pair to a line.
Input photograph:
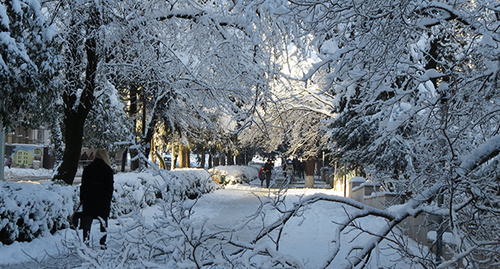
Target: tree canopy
[408,91]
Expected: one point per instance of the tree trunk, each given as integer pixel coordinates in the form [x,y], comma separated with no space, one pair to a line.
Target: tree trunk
[175,157]
[187,160]
[202,158]
[147,140]
[147,130]
[310,163]
[134,163]
[76,108]
[124,159]
[133,108]
[230,157]
[183,156]
[73,137]
[241,159]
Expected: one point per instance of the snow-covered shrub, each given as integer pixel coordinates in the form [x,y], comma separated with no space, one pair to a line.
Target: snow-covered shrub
[235,174]
[189,183]
[132,190]
[139,190]
[31,210]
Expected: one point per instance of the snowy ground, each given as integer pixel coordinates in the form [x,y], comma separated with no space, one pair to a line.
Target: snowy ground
[307,238]
[26,175]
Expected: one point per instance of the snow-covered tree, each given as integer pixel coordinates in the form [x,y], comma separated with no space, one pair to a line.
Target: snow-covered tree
[190,66]
[182,65]
[80,25]
[416,91]
[107,125]
[27,61]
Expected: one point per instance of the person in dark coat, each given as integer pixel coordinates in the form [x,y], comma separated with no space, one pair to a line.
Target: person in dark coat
[9,162]
[262,175]
[268,169]
[96,192]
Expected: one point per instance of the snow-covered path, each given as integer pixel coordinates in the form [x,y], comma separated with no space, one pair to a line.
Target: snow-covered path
[225,208]
[306,238]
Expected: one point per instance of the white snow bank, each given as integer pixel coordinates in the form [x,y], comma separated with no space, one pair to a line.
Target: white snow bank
[235,174]
[30,210]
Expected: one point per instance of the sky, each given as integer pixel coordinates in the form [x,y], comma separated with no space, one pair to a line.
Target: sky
[307,238]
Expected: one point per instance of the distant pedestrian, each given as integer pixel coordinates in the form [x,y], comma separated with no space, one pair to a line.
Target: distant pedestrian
[9,162]
[262,175]
[289,168]
[96,192]
[299,168]
[268,168]
[302,169]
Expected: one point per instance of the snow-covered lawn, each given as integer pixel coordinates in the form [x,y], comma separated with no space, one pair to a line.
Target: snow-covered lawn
[221,222]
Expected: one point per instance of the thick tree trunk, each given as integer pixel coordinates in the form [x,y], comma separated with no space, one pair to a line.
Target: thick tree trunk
[73,137]
[183,156]
[188,158]
[76,110]
[180,157]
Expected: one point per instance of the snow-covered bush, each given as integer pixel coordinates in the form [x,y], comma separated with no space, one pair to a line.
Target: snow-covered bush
[235,174]
[31,210]
[139,190]
[190,183]
[132,190]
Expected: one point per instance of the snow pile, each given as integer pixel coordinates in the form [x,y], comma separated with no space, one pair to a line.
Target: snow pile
[31,210]
[12,173]
[234,174]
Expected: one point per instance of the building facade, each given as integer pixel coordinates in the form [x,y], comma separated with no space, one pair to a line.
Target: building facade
[29,148]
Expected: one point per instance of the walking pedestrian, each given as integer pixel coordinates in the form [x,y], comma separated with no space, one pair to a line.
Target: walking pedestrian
[268,168]
[262,175]
[96,192]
